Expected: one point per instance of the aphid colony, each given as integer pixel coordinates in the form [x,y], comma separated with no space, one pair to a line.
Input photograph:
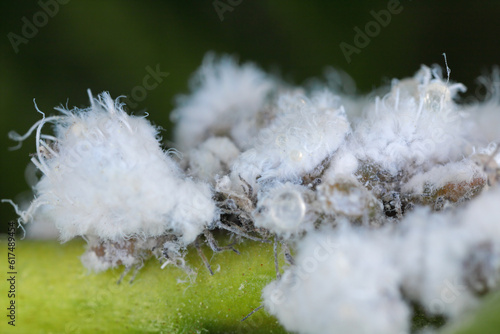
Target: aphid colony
[400,183]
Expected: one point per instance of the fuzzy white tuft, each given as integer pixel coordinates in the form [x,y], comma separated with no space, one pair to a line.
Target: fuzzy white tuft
[212,158]
[449,260]
[342,283]
[225,101]
[304,133]
[417,124]
[107,176]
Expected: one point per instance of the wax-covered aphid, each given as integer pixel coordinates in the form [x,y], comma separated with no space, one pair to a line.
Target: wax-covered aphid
[303,134]
[105,177]
[451,183]
[413,127]
[225,101]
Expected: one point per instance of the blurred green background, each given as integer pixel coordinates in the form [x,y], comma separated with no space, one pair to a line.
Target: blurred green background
[107,45]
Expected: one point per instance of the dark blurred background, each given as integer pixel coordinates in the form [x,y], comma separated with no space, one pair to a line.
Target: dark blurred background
[107,45]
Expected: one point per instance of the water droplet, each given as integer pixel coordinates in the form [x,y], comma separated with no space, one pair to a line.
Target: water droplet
[436,95]
[288,209]
[296,155]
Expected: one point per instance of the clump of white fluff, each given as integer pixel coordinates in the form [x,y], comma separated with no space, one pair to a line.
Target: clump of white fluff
[416,124]
[451,259]
[483,117]
[343,282]
[212,158]
[303,134]
[225,101]
[107,176]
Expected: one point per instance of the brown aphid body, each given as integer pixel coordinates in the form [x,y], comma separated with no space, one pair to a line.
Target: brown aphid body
[451,193]
[387,188]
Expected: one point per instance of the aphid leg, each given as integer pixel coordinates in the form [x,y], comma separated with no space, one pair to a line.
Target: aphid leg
[237,230]
[125,272]
[202,255]
[215,246]
[253,311]
[136,271]
[286,251]
[264,233]
[246,222]
[276,264]
[249,190]
[397,205]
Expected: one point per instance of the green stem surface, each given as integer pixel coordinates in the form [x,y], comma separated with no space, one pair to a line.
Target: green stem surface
[56,294]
